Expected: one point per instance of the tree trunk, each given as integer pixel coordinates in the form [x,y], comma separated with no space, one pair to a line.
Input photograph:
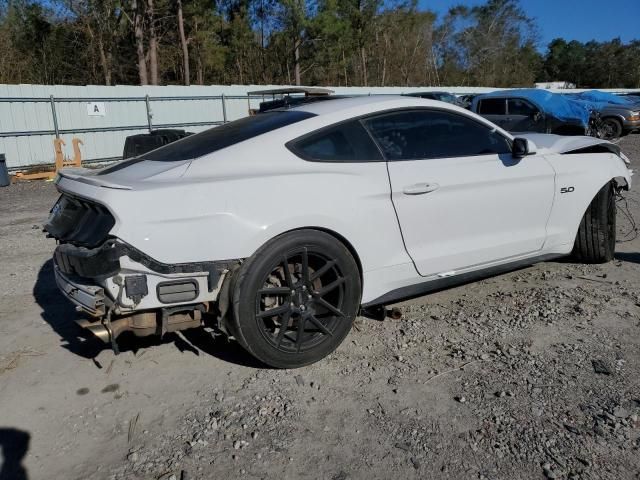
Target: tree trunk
[185,46]
[296,60]
[105,61]
[138,31]
[363,55]
[344,67]
[199,70]
[240,71]
[153,44]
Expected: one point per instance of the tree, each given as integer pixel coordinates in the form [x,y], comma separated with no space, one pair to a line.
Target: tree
[327,42]
[183,43]
[293,19]
[488,42]
[101,21]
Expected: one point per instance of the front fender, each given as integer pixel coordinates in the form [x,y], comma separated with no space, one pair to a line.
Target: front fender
[579,177]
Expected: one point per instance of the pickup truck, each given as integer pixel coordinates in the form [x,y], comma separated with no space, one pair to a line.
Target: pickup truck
[541,111]
[530,110]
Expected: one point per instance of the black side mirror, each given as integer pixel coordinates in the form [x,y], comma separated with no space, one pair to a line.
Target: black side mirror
[520,147]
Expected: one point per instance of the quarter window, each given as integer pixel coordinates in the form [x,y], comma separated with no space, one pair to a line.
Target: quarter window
[346,142]
[423,134]
[492,106]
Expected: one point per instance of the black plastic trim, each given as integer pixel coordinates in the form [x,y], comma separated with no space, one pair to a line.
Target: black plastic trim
[79,221]
[104,261]
[178,282]
[430,286]
[87,262]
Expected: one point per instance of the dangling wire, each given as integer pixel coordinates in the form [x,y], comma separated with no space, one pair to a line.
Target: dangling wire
[622,205]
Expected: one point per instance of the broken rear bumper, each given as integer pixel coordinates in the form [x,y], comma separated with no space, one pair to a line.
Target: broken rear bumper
[120,278]
[89,298]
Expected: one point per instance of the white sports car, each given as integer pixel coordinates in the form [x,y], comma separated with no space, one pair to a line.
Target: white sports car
[280,227]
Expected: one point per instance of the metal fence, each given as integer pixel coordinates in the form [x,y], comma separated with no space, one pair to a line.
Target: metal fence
[29,123]
[32,116]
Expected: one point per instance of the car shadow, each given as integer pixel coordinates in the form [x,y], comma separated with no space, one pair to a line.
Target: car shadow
[628,257]
[14,445]
[60,314]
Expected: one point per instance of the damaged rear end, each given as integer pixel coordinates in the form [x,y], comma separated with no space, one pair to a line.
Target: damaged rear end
[116,286]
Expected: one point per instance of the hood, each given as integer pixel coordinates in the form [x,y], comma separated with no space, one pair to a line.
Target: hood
[547,143]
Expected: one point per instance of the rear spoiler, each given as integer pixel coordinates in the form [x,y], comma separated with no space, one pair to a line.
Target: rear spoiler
[85,175]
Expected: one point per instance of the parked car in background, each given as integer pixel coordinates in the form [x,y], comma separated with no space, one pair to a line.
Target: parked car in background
[440,96]
[634,95]
[140,143]
[619,115]
[245,224]
[533,110]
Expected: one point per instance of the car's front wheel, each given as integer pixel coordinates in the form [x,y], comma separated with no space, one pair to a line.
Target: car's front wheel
[611,128]
[596,238]
[295,299]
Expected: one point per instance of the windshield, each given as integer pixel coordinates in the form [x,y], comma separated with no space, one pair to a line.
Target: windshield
[217,138]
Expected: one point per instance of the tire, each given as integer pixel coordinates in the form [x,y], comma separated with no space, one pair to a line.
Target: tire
[596,238]
[612,128]
[316,302]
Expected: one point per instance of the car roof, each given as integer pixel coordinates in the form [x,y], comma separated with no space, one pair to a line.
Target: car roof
[378,102]
[428,92]
[346,108]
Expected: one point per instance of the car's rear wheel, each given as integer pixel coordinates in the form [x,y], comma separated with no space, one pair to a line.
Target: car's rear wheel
[611,128]
[596,239]
[295,299]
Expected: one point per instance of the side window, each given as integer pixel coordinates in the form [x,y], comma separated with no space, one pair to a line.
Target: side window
[492,106]
[423,134]
[346,142]
[518,106]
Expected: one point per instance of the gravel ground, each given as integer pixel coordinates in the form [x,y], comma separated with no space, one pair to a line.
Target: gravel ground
[528,375]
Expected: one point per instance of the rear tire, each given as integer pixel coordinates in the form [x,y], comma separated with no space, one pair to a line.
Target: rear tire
[295,299]
[596,238]
[612,128]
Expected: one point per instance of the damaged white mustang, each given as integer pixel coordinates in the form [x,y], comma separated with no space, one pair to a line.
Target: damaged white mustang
[278,228]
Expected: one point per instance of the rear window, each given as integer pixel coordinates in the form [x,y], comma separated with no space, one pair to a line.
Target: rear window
[224,136]
[492,106]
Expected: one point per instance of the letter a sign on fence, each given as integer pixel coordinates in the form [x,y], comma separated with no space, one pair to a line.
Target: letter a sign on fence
[96,109]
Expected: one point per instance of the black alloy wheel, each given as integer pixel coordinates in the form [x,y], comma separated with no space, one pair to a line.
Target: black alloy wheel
[296,298]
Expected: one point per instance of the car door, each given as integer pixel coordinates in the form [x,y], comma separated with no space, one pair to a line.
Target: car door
[523,116]
[462,200]
[494,110]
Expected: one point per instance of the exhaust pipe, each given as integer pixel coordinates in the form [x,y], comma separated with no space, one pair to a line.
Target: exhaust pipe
[143,324]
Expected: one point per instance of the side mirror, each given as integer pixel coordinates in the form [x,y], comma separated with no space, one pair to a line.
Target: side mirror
[536,116]
[522,147]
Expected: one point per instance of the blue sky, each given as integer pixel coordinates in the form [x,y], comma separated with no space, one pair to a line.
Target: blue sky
[581,20]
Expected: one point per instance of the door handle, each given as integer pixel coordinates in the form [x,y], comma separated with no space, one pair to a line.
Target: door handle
[420,188]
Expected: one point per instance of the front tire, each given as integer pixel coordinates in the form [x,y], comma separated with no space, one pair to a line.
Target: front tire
[612,128]
[295,299]
[596,238]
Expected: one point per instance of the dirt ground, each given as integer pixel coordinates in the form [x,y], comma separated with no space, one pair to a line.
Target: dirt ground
[530,375]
